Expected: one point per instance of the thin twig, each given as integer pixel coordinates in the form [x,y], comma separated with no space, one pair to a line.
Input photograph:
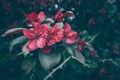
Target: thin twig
[23,11]
[60,66]
[81,62]
[94,37]
[96,62]
[106,60]
[114,62]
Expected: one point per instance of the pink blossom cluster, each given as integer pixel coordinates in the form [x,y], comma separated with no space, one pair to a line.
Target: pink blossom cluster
[43,36]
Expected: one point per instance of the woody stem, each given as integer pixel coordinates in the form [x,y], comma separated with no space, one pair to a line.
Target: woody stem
[60,66]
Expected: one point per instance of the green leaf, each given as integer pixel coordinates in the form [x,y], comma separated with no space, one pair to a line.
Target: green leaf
[70,51]
[29,63]
[25,51]
[17,41]
[49,20]
[60,24]
[18,54]
[12,31]
[80,58]
[77,55]
[92,38]
[49,61]
[112,8]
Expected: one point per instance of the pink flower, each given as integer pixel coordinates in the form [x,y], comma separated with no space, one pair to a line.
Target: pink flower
[81,44]
[80,48]
[43,37]
[59,16]
[33,17]
[69,35]
[37,36]
[56,35]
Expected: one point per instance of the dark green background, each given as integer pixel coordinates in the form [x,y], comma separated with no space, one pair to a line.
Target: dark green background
[91,17]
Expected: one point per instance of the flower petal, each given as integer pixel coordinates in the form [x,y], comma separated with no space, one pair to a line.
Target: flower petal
[41,16]
[44,27]
[44,31]
[73,34]
[67,28]
[28,33]
[57,39]
[32,45]
[55,28]
[60,33]
[59,16]
[59,36]
[36,27]
[32,17]
[41,42]
[46,49]
[51,42]
[70,41]
[71,37]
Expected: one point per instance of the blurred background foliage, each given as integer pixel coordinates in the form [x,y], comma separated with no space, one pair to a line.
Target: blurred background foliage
[92,17]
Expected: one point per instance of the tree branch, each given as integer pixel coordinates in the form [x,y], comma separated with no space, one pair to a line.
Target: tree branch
[103,60]
[60,66]
[114,63]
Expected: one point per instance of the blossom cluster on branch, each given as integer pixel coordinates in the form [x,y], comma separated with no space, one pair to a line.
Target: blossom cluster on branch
[48,37]
[43,36]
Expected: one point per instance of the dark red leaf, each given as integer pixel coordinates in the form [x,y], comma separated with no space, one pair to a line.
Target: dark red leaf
[68,14]
[12,31]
